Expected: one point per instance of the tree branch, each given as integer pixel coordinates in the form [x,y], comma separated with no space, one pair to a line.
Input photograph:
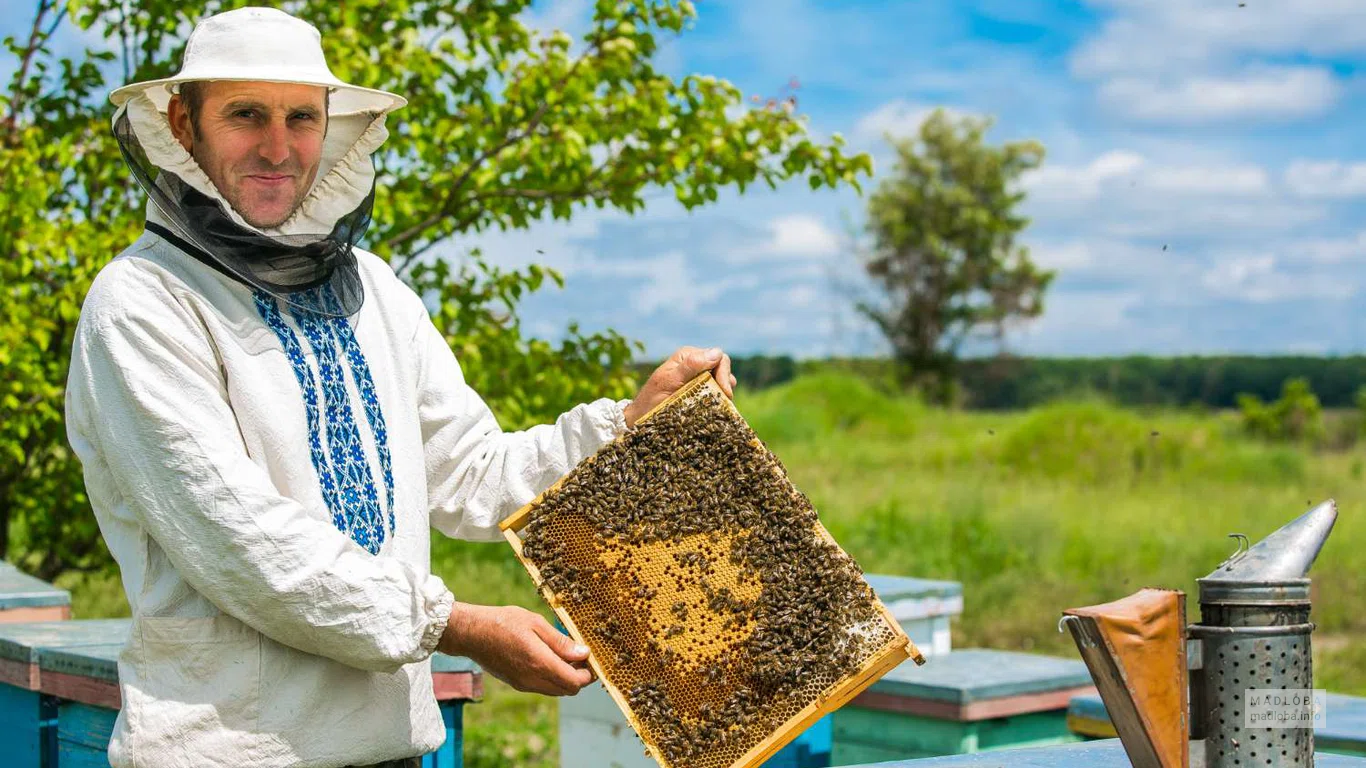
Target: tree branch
[36,37]
[583,192]
[447,206]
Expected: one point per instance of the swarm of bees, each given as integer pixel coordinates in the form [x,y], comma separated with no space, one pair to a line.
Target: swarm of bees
[703,582]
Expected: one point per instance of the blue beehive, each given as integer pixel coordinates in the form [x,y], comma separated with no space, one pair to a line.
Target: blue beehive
[59,694]
[1096,754]
[1343,730]
[971,700]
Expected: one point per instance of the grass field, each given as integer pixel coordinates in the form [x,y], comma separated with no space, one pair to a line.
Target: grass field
[1064,505]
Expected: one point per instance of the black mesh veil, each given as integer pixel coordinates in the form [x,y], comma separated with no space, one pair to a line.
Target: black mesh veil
[314,272]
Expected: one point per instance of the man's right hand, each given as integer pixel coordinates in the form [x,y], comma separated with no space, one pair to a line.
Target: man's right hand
[518,647]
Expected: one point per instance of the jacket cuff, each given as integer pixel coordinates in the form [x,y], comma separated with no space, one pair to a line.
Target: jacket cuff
[439,601]
[618,414]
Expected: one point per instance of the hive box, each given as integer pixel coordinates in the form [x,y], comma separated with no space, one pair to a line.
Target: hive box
[1343,731]
[967,701]
[24,598]
[1097,754]
[59,694]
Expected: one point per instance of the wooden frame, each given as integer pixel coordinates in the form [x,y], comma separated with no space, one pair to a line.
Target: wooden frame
[851,686]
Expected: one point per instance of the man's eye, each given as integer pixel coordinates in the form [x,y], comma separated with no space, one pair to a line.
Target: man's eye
[303,116]
[247,113]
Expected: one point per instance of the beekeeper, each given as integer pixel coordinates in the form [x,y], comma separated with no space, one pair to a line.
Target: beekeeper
[269,423]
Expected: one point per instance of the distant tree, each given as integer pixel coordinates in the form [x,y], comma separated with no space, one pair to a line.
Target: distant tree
[942,250]
[1296,416]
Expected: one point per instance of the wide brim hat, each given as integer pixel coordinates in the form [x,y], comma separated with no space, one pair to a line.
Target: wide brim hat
[266,45]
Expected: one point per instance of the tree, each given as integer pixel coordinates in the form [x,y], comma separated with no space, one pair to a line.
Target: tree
[1297,416]
[505,127]
[942,248]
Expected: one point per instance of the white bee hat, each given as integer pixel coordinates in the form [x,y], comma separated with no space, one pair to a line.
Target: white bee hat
[261,44]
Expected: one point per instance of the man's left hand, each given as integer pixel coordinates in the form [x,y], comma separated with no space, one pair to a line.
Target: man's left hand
[681,367]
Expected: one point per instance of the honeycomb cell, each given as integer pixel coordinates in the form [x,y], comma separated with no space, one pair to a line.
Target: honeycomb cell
[714,603]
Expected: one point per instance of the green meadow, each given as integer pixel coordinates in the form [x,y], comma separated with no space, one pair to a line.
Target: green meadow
[1062,505]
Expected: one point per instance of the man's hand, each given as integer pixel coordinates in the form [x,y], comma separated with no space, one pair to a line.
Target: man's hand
[678,370]
[518,647]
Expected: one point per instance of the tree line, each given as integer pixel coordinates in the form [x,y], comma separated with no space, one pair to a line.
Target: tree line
[1021,382]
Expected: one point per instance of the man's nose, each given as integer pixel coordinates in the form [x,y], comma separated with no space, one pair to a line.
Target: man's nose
[275,143]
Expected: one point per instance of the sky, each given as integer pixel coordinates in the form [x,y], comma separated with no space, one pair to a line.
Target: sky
[1202,193]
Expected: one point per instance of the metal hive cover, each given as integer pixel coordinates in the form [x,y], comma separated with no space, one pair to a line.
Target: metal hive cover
[721,616]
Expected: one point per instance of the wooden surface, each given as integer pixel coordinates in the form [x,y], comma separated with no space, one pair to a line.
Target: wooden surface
[19,590]
[21,642]
[841,693]
[21,729]
[1095,754]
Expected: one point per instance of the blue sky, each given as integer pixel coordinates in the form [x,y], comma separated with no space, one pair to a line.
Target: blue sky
[1232,136]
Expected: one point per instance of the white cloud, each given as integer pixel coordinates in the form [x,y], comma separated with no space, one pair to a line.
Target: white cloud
[801,235]
[1329,251]
[1326,179]
[899,118]
[671,285]
[1259,278]
[1062,256]
[1070,183]
[1189,61]
[1168,36]
[1078,315]
[1118,171]
[791,237]
[1285,92]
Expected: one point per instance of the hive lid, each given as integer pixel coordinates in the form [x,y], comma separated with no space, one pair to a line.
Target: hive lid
[1286,554]
[979,674]
[22,642]
[20,590]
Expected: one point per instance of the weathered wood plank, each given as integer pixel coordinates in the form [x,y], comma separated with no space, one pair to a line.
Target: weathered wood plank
[457,686]
[85,725]
[84,690]
[20,642]
[99,662]
[21,727]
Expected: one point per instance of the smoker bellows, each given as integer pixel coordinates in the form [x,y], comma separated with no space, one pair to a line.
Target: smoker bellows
[1178,694]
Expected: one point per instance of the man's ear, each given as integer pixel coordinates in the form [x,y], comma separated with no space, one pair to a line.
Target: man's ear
[179,118]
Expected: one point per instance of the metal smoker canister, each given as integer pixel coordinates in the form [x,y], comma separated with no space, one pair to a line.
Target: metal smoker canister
[1254,633]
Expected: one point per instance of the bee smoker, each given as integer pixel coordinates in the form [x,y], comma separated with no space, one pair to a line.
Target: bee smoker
[1197,696]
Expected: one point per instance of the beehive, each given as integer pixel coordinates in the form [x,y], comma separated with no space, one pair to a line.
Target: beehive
[720,614]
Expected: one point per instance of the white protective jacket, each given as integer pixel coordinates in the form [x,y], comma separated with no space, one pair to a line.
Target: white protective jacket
[233,454]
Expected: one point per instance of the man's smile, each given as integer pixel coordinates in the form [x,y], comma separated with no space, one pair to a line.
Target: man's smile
[270,179]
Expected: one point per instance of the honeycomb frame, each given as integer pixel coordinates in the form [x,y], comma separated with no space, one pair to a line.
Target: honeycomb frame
[892,653]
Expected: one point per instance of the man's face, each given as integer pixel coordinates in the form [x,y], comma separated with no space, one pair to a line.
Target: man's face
[259,143]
